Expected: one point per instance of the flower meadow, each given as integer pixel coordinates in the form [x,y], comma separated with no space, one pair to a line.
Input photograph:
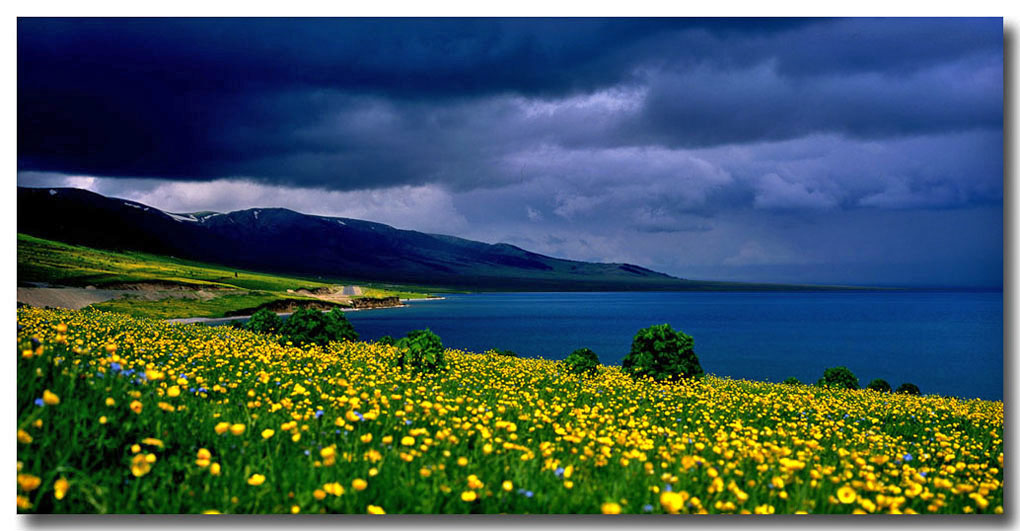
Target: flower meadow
[124,415]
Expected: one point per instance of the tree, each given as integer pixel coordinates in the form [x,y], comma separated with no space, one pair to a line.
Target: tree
[505,352]
[386,340]
[582,362]
[663,354]
[791,381]
[264,321]
[422,351]
[908,389]
[839,377]
[880,385]
[312,326]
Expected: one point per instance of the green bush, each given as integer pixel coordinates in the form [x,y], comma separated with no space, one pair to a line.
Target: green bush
[386,340]
[422,351]
[264,321]
[908,389]
[582,361]
[306,326]
[508,353]
[880,385]
[662,353]
[839,377]
[792,381]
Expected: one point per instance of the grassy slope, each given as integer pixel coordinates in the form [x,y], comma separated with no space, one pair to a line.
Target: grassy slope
[491,434]
[41,260]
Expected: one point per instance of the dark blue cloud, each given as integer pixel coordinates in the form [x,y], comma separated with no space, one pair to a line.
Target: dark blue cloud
[719,148]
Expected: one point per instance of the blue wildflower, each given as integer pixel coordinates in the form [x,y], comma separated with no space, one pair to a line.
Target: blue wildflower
[39,402]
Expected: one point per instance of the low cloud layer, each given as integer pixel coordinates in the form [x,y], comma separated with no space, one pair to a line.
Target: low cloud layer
[750,149]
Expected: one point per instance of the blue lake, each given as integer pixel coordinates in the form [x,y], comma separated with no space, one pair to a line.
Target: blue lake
[947,343]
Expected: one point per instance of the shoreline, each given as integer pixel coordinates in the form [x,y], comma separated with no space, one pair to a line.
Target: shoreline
[193,320]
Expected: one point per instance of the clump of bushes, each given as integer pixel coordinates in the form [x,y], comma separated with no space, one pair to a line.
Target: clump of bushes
[421,350]
[840,377]
[908,389]
[662,353]
[582,362]
[880,385]
[264,321]
[791,381]
[308,326]
[505,352]
[386,340]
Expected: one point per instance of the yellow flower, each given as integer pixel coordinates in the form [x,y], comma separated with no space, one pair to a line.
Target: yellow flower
[214,469]
[174,391]
[335,488]
[327,452]
[462,461]
[60,488]
[28,482]
[778,482]
[152,442]
[508,485]
[267,433]
[24,437]
[237,429]
[366,438]
[222,427]
[375,509]
[256,479]
[49,398]
[102,420]
[294,509]
[136,406]
[407,441]
[468,496]
[359,484]
[23,502]
[140,466]
[110,401]
[211,511]
[611,508]
[319,494]
[846,494]
[204,454]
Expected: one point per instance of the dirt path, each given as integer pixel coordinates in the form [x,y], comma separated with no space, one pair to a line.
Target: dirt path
[72,298]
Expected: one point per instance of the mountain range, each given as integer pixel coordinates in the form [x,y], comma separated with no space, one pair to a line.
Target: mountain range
[284,241]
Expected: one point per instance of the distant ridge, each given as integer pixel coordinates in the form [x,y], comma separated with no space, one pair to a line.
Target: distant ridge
[284,241]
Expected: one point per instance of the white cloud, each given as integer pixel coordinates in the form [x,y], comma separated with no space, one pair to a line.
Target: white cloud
[773,191]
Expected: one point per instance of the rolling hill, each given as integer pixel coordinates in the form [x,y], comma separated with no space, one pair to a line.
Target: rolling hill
[279,240]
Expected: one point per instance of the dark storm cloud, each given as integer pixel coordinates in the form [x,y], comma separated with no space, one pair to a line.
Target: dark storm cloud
[293,100]
[765,149]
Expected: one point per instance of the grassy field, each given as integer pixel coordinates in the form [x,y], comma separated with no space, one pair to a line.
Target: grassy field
[125,415]
[63,264]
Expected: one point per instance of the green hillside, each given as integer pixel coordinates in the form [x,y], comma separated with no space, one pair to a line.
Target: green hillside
[60,264]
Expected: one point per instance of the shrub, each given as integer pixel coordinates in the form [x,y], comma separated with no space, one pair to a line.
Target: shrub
[908,389]
[264,321]
[421,350]
[508,353]
[839,377]
[582,362]
[386,340]
[791,381]
[662,353]
[312,326]
[880,385]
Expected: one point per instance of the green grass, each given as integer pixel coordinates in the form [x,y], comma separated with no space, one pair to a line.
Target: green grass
[57,263]
[448,442]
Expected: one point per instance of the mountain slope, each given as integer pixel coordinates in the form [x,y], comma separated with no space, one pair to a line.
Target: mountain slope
[284,241]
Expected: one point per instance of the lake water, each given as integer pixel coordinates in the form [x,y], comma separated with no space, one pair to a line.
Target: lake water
[947,343]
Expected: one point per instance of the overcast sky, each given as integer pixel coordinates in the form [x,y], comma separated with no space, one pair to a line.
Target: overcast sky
[861,151]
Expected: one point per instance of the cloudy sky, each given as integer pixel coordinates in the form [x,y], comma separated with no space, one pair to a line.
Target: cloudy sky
[860,151]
